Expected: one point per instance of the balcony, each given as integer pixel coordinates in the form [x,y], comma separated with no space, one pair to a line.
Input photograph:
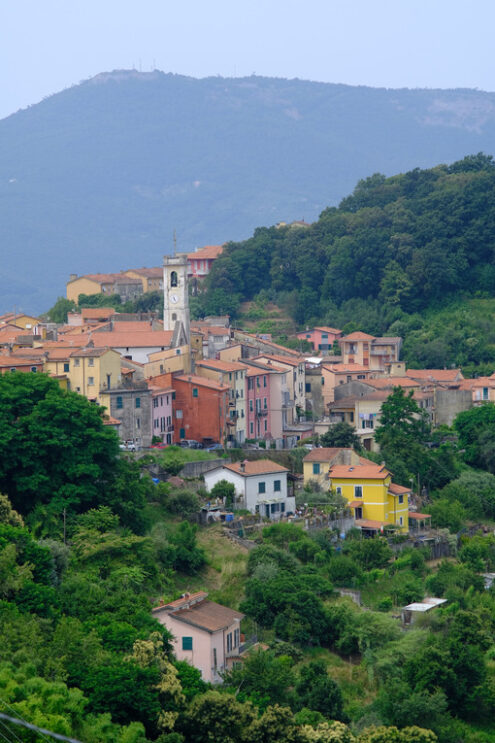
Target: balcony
[169,429]
[261,413]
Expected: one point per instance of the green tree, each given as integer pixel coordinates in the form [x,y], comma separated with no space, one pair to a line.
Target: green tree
[316,690]
[476,430]
[341,435]
[225,491]
[58,313]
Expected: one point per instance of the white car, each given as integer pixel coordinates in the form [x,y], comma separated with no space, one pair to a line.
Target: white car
[128,446]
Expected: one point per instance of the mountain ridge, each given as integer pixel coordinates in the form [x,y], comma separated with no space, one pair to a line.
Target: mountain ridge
[98,176]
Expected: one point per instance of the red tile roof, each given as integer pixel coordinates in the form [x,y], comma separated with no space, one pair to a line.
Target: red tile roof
[209,252]
[326,329]
[290,361]
[419,516]
[148,273]
[369,524]
[139,339]
[205,614]
[256,467]
[201,382]
[226,366]
[365,470]
[437,375]
[398,489]
[358,336]
[322,454]
[390,382]
[97,313]
[346,368]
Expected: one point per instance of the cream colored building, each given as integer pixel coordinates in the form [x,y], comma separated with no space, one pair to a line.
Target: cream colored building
[170,360]
[151,278]
[94,370]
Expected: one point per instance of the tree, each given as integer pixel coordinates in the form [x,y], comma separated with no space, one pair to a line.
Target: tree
[341,435]
[476,430]
[225,491]
[58,313]
[189,558]
[316,690]
[60,453]
[263,677]
[217,716]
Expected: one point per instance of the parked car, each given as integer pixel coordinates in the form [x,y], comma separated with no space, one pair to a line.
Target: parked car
[214,447]
[190,444]
[160,445]
[128,446]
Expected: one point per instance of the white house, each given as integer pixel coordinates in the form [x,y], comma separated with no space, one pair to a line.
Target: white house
[260,486]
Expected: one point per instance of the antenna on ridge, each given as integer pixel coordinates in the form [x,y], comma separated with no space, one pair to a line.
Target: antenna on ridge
[175,241]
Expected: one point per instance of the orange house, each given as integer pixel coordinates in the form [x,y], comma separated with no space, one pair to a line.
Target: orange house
[200,409]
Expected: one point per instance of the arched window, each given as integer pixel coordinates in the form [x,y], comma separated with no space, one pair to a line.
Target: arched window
[174,316]
[173,279]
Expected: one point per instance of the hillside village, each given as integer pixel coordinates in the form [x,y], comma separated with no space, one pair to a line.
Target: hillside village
[286,460]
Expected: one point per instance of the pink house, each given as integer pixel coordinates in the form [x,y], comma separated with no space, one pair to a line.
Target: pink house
[322,338]
[161,411]
[199,263]
[205,634]
[258,403]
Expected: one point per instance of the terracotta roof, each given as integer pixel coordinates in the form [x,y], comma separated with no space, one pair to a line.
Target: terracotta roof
[90,352]
[202,382]
[183,601]
[131,326]
[365,470]
[346,368]
[398,489]
[111,421]
[369,524]
[148,273]
[209,252]
[208,615]
[438,375]
[356,504]
[386,340]
[326,329]
[97,313]
[282,359]
[419,516]
[358,336]
[227,366]
[210,329]
[18,361]
[256,467]
[323,454]
[390,382]
[140,339]
[107,278]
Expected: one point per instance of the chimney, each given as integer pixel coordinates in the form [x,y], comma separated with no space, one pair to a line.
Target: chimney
[243,465]
[161,602]
[73,277]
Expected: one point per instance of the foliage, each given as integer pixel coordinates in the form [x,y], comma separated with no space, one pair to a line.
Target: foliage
[341,435]
[476,429]
[225,491]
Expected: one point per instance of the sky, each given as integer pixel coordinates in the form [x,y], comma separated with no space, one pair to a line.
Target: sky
[48,46]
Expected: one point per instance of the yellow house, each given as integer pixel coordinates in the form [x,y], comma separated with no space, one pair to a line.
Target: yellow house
[170,360]
[104,283]
[151,278]
[94,370]
[367,487]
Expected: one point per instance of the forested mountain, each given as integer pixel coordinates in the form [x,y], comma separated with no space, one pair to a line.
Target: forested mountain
[395,251]
[97,177]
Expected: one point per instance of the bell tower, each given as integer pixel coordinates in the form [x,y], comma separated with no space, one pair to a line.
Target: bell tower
[176,298]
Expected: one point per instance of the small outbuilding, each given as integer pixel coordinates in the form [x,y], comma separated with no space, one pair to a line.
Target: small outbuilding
[410,613]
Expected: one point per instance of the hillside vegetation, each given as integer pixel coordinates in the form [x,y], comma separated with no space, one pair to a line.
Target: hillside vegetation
[98,176]
[410,255]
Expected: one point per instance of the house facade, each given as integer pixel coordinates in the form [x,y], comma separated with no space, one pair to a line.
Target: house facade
[374,353]
[162,413]
[261,486]
[232,374]
[199,263]
[322,338]
[200,409]
[205,634]
[130,403]
[375,501]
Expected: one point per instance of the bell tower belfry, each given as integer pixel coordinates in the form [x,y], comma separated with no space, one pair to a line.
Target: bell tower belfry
[176,298]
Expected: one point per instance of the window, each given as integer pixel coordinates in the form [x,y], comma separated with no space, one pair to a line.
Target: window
[77,362]
[257,381]
[156,423]
[12,369]
[265,405]
[155,402]
[275,507]
[308,386]
[277,486]
[323,381]
[195,391]
[178,414]
[173,278]
[358,491]
[401,520]
[338,490]
[120,402]
[138,422]
[251,428]
[187,643]
[485,393]
[34,368]
[237,638]
[261,487]
[351,416]
[173,395]
[214,657]
[316,468]
[66,367]
[324,336]
[251,406]
[91,381]
[361,376]
[250,384]
[182,433]
[91,362]
[401,499]
[229,642]
[264,380]
[138,402]
[266,426]
[174,317]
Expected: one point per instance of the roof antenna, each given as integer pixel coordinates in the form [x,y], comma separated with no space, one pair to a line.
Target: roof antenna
[175,242]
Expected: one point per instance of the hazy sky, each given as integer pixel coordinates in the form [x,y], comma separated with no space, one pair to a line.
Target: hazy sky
[51,44]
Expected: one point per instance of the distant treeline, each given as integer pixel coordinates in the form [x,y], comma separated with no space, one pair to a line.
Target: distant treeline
[392,252]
